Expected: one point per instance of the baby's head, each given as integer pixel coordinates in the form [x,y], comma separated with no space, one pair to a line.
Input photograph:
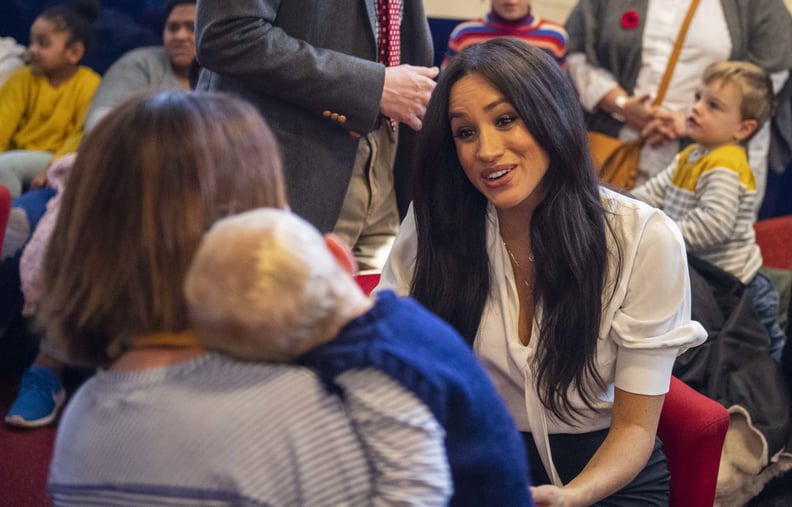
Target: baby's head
[266,285]
[734,101]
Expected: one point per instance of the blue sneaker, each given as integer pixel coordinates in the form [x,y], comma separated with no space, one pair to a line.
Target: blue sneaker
[40,396]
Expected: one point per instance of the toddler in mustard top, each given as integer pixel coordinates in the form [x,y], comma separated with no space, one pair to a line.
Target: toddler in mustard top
[709,190]
[43,106]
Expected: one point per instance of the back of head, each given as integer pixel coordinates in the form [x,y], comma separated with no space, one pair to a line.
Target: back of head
[754,84]
[264,286]
[147,183]
[77,18]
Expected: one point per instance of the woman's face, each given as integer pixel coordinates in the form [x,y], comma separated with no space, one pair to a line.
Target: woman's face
[500,157]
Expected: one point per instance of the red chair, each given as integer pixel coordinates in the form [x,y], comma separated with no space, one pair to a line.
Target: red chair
[692,428]
[5,209]
[774,236]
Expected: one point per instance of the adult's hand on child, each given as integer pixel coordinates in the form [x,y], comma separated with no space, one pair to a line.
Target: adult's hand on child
[636,111]
[665,126]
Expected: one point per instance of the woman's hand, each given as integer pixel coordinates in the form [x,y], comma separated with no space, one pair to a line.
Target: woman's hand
[665,126]
[553,496]
[633,110]
[621,457]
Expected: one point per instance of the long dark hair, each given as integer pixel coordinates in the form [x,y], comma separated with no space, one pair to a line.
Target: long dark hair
[568,228]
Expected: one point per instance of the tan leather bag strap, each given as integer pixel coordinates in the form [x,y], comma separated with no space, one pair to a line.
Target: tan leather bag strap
[661,90]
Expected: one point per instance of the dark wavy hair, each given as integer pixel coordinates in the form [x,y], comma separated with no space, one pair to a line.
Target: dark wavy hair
[77,18]
[568,229]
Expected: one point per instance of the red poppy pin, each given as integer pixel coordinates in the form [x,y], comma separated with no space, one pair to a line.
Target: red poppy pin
[630,19]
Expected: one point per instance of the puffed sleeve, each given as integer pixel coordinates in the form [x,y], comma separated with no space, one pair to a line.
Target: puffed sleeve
[653,324]
[397,274]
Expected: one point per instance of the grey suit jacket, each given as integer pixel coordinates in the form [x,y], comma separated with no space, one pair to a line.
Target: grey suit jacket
[299,61]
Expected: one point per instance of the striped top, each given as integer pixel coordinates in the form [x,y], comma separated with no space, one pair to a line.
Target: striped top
[711,196]
[214,431]
[546,35]
[404,442]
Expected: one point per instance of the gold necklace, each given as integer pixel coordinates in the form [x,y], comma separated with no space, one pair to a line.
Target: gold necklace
[517,264]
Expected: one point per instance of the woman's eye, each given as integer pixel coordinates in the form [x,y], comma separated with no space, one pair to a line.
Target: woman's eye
[463,133]
[505,121]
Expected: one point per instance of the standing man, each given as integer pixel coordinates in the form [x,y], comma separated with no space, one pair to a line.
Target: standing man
[334,79]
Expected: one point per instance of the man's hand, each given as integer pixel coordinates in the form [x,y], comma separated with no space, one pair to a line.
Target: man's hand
[406,93]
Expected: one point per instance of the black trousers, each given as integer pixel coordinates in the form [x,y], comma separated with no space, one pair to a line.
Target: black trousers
[571,453]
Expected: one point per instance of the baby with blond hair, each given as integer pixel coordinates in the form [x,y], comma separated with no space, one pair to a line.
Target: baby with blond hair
[266,285]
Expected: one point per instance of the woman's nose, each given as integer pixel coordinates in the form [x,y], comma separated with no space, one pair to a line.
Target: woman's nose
[490,146]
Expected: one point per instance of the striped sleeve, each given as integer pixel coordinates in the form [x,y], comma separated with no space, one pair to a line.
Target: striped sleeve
[712,221]
[402,439]
[653,192]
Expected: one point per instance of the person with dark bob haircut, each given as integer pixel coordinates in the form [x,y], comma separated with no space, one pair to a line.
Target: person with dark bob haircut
[575,298]
[164,421]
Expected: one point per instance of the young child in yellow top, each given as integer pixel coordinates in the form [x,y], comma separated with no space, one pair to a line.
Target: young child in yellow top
[709,190]
[43,106]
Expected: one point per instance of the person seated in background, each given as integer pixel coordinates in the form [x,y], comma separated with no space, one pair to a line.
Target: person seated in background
[575,298]
[41,392]
[709,189]
[266,286]
[43,109]
[164,421]
[43,106]
[165,67]
[510,18]
[618,53]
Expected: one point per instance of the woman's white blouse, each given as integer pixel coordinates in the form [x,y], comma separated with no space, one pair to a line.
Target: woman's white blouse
[645,323]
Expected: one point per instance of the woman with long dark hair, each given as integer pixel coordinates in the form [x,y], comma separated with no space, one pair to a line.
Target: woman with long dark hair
[575,298]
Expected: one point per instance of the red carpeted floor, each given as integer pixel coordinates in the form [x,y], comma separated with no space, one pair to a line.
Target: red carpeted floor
[24,457]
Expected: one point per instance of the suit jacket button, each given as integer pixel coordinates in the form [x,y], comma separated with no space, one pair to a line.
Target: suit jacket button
[326,114]
[341,118]
[334,116]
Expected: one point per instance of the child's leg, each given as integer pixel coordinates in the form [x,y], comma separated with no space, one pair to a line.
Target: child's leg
[765,301]
[18,167]
[41,392]
[26,211]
